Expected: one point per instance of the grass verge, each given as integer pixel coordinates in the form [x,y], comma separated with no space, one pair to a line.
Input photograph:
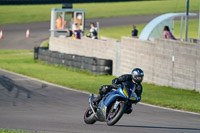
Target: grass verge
[21,61]
[40,13]
[11,131]
[45,43]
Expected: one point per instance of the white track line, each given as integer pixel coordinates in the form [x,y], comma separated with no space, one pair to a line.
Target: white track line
[89,93]
[21,79]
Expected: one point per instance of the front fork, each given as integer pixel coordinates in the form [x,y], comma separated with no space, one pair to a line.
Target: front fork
[91,99]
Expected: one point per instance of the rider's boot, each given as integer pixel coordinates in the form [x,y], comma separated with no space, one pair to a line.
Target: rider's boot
[102,91]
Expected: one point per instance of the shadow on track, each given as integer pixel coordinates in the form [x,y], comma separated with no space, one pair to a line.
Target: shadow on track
[10,86]
[159,127]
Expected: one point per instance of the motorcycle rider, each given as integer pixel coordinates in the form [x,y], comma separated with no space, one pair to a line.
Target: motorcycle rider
[135,77]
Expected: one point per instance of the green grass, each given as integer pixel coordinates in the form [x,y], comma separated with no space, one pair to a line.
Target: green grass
[171,97]
[193,28]
[45,43]
[21,61]
[39,13]
[118,32]
[11,131]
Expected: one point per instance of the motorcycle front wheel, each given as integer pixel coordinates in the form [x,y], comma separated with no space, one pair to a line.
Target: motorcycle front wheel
[114,115]
[89,117]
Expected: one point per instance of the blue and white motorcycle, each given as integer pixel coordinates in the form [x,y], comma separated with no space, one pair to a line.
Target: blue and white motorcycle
[112,106]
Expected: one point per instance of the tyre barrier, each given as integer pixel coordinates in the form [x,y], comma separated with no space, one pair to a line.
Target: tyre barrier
[92,64]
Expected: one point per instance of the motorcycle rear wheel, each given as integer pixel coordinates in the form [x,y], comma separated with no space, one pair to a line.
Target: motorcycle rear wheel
[115,115]
[89,117]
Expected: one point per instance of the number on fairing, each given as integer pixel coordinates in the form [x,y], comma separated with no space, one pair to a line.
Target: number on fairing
[116,104]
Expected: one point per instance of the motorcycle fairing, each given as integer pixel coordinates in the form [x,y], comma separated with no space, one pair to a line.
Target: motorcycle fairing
[111,96]
[106,101]
[129,91]
[123,92]
[101,111]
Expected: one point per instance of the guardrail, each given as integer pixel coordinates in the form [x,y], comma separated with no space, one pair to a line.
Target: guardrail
[91,64]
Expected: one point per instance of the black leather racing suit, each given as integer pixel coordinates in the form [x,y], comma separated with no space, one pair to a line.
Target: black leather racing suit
[115,84]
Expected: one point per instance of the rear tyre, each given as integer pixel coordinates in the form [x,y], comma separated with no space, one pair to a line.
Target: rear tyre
[115,115]
[89,117]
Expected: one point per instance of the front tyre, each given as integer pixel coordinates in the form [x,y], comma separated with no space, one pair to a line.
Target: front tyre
[89,117]
[115,115]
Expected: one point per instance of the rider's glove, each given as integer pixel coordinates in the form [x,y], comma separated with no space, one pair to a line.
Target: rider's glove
[115,81]
[137,99]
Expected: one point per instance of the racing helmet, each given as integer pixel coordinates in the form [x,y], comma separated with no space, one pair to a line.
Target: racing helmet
[137,75]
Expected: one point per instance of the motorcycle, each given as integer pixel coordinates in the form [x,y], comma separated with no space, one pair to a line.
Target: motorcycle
[112,106]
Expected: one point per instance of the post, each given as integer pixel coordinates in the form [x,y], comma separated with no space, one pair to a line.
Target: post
[181,28]
[53,21]
[199,23]
[186,21]
[98,28]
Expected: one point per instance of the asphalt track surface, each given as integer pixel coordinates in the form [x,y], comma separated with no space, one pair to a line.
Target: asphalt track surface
[37,106]
[14,34]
